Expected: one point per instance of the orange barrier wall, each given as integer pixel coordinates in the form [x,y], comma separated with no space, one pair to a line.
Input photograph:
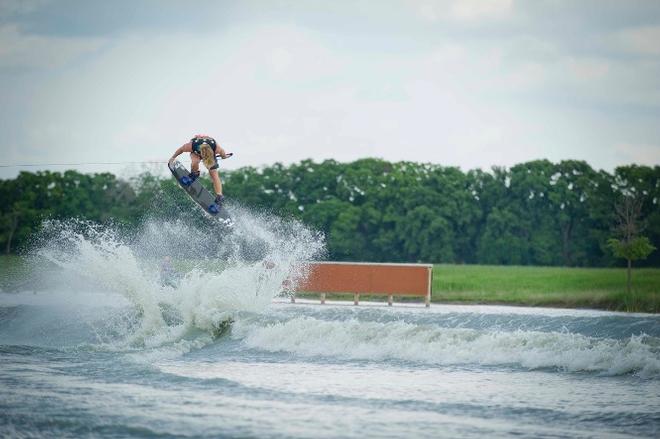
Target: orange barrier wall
[366,278]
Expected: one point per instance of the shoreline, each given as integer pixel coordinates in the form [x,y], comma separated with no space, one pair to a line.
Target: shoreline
[531,286]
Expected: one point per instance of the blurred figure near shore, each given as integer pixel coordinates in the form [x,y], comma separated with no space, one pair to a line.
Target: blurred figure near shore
[168,275]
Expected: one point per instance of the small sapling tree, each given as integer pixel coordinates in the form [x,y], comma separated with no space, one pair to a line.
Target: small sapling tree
[630,245]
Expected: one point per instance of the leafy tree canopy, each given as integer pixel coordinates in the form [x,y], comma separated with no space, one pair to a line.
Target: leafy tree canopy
[538,212]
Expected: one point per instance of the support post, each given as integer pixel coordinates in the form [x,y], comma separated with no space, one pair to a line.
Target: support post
[322,298]
[356,298]
[293,298]
[390,298]
[427,302]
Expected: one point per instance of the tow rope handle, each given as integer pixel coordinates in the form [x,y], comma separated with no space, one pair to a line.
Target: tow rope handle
[229,154]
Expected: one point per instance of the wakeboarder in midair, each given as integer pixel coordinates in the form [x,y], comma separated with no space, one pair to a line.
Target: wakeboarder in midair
[205,149]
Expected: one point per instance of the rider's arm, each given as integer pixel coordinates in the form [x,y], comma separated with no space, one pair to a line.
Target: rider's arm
[219,150]
[185,148]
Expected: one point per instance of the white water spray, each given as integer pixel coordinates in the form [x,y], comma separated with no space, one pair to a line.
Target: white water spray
[224,273]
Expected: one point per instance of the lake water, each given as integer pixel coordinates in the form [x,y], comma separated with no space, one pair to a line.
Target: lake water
[96,346]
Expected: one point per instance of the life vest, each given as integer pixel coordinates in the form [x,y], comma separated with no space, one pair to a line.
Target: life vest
[198,140]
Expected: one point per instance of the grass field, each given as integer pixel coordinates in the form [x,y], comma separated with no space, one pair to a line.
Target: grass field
[548,286]
[11,268]
[602,288]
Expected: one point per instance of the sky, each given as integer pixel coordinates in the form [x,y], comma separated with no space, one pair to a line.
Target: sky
[465,83]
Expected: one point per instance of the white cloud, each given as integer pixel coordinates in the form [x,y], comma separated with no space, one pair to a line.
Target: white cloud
[638,153]
[17,7]
[18,50]
[274,91]
[280,60]
[641,40]
[478,9]
[143,97]
[588,69]
[464,10]
[280,94]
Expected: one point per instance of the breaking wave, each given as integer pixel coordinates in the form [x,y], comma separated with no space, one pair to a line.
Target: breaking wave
[435,345]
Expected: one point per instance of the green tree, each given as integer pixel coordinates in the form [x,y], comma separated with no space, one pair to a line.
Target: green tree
[643,182]
[503,241]
[630,245]
[346,241]
[536,212]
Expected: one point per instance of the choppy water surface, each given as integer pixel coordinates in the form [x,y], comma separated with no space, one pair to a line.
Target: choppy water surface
[97,347]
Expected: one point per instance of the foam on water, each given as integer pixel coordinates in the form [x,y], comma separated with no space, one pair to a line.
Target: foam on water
[232,271]
[436,345]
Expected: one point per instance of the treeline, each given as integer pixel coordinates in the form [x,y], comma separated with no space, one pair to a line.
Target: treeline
[535,213]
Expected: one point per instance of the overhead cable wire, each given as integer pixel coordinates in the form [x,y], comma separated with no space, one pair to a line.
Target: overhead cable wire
[26,165]
[159,162]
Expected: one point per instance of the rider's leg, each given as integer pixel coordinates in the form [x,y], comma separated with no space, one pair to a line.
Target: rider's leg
[194,167]
[217,183]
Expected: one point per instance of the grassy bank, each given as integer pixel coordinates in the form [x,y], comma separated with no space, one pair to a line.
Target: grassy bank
[12,268]
[602,288]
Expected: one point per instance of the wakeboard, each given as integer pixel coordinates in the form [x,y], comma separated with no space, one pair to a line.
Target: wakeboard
[173,317]
[197,192]
[222,327]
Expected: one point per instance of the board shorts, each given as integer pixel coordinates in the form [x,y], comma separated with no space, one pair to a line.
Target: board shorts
[197,143]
